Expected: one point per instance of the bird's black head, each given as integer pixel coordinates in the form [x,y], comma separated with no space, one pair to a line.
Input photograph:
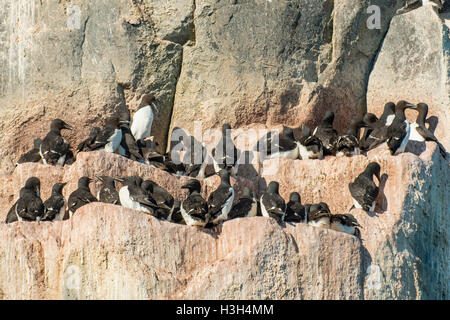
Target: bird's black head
[58,187]
[130,180]
[374,168]
[148,185]
[33,184]
[106,179]
[370,119]
[83,182]
[273,187]
[192,185]
[295,197]
[113,122]
[324,207]
[57,125]
[389,108]
[349,220]
[423,112]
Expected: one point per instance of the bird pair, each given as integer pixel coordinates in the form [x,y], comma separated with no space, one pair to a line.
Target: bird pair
[29,206]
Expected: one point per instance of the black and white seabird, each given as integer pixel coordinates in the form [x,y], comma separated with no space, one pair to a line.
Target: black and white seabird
[348,144]
[278,145]
[326,133]
[108,192]
[399,131]
[387,117]
[246,206]
[309,146]
[162,198]
[33,155]
[55,206]
[29,206]
[128,146]
[346,223]
[220,200]
[86,144]
[419,132]
[272,204]
[319,215]
[80,196]
[364,191]
[54,147]
[225,155]
[141,125]
[109,138]
[194,209]
[132,195]
[295,211]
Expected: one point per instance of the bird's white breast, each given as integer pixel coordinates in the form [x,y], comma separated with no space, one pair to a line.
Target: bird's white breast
[142,123]
[405,139]
[263,208]
[114,141]
[189,220]
[321,223]
[343,228]
[389,120]
[415,136]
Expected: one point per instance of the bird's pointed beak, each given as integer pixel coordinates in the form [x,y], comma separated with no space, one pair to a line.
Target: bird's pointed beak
[67,126]
[99,178]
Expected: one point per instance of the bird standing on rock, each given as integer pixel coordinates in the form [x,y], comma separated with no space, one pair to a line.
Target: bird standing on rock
[278,144]
[29,206]
[419,132]
[128,146]
[309,146]
[221,200]
[364,191]
[132,195]
[194,209]
[225,154]
[86,144]
[163,199]
[348,144]
[245,207]
[272,204]
[108,192]
[141,126]
[54,147]
[295,211]
[346,223]
[80,196]
[55,206]
[319,215]
[326,133]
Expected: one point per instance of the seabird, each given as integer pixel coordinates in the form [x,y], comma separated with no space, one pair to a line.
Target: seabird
[364,191]
[86,145]
[54,147]
[220,201]
[55,206]
[319,215]
[295,211]
[132,195]
[33,155]
[326,133]
[163,199]
[398,132]
[309,146]
[110,137]
[419,132]
[143,118]
[196,159]
[108,192]
[348,144]
[29,206]
[278,145]
[80,196]
[194,209]
[128,146]
[272,204]
[345,223]
[246,206]
[225,154]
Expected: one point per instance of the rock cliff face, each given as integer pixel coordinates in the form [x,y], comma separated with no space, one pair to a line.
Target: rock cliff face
[251,63]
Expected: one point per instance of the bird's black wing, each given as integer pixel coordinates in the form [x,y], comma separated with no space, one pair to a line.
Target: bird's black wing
[241,208]
[218,198]
[52,207]
[295,212]
[274,204]
[195,206]
[376,137]
[396,134]
[364,191]
[109,196]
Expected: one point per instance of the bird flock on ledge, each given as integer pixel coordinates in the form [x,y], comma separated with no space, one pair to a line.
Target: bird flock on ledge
[147,196]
